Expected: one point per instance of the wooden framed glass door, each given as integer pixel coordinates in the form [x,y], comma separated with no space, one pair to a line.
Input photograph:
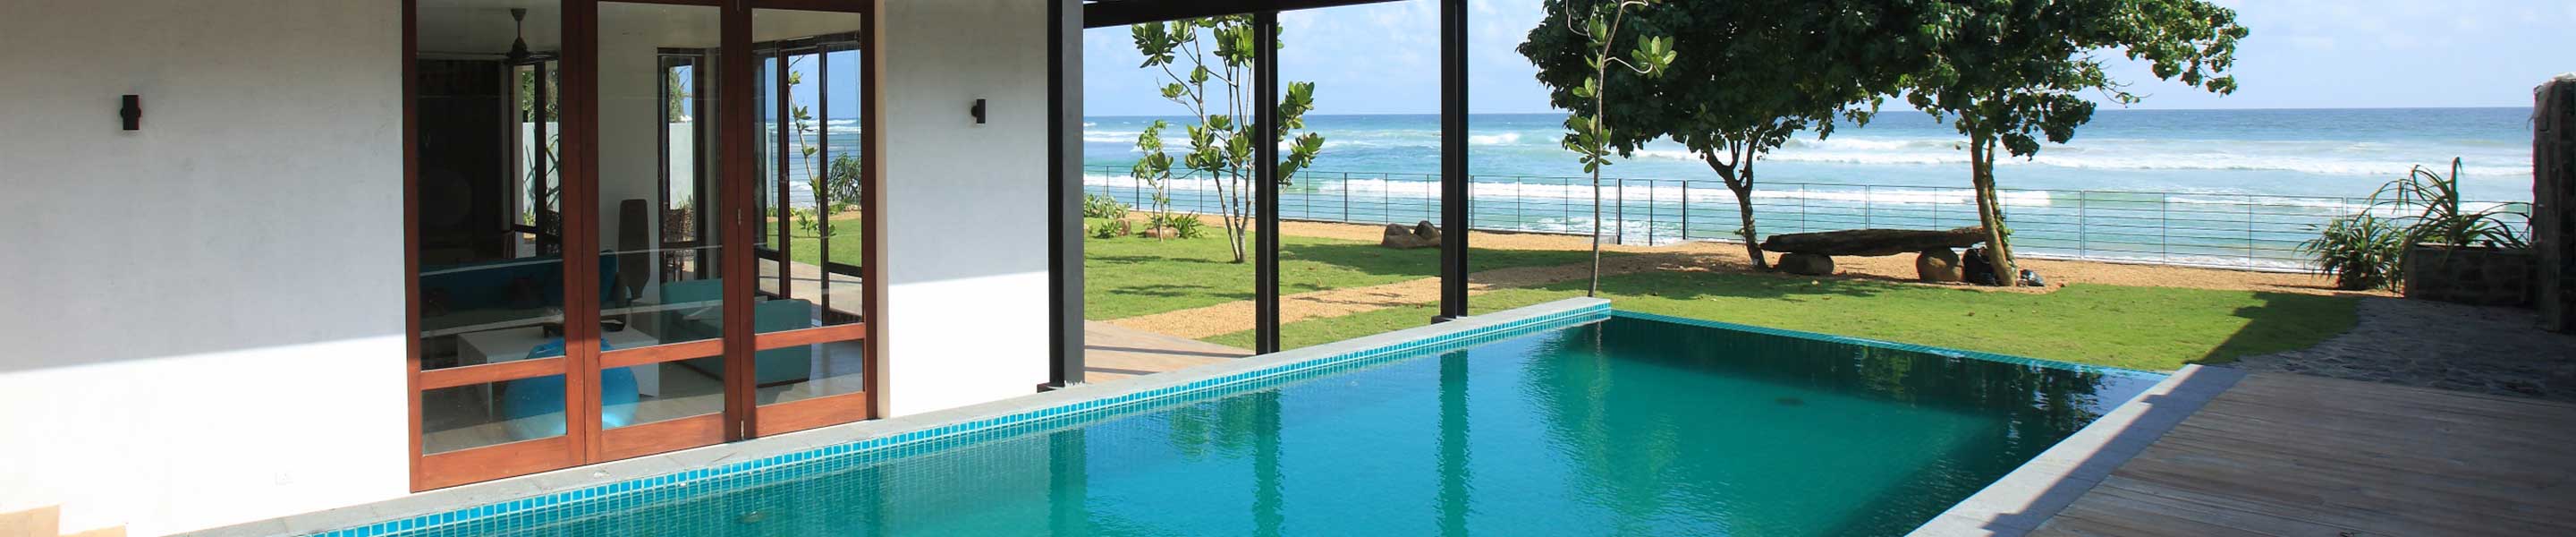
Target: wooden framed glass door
[586,251]
[812,193]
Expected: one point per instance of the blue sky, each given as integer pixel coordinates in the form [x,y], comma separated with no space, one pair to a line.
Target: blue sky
[1384,58]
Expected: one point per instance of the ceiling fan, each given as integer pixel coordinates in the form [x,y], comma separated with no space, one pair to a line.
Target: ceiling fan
[519,54]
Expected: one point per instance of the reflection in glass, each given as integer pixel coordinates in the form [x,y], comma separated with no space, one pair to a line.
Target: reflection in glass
[808,194]
[662,392]
[657,172]
[489,244]
[480,415]
[810,371]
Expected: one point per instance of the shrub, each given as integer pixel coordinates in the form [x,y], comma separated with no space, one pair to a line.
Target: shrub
[1102,207]
[1182,226]
[2359,251]
[1108,229]
[2364,251]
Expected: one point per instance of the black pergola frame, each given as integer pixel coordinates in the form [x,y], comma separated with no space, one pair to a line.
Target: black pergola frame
[1064,183]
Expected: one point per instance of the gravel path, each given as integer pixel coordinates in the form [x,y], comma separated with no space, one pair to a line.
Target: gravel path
[2440,345]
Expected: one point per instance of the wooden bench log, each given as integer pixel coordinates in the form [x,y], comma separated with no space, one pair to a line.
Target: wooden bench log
[1873,242]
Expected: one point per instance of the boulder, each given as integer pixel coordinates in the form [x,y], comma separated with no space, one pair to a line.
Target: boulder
[1421,235]
[1873,242]
[1938,265]
[1807,264]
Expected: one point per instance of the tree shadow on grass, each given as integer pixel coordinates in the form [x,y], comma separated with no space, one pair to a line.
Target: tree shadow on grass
[1701,284]
[1423,262]
[2286,322]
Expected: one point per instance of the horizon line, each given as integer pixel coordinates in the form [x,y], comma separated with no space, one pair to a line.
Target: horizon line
[2274,109]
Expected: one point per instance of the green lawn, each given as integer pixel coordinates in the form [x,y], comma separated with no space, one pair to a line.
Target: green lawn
[2135,327]
[807,249]
[1131,276]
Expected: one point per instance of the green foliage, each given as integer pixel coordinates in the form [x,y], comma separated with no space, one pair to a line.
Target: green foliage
[2359,251]
[1110,228]
[2438,218]
[2366,251]
[1740,79]
[2010,73]
[1180,225]
[1206,64]
[1103,207]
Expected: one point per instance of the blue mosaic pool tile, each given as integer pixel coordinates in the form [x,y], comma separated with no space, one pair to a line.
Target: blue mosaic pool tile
[537,512]
[1890,345]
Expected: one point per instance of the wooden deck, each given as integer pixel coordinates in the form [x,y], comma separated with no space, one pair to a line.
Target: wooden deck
[2286,454]
[1111,352]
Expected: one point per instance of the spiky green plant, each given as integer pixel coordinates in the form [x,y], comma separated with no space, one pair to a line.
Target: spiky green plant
[2359,251]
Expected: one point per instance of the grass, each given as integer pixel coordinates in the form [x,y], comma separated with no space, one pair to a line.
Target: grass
[2150,328]
[807,248]
[1131,276]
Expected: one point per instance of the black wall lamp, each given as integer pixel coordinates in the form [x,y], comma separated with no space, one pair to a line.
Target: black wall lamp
[132,112]
[978,111]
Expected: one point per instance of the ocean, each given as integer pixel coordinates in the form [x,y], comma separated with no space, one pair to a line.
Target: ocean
[2328,153]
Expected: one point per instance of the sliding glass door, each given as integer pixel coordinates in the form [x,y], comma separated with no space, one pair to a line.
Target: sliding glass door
[811,190]
[624,240]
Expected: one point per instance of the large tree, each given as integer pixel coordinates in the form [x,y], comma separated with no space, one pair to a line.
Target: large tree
[1750,74]
[2010,73]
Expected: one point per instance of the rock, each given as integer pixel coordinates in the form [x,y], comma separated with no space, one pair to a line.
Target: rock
[1421,235]
[1873,242]
[1938,265]
[1807,264]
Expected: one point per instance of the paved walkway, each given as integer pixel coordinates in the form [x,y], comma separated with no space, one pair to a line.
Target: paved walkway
[2440,345]
[2281,454]
[1110,352]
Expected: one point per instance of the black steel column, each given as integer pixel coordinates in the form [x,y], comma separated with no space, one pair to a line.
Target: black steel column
[1064,193]
[1265,180]
[1453,159]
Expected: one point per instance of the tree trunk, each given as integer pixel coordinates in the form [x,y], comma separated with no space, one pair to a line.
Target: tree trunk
[1744,208]
[1990,209]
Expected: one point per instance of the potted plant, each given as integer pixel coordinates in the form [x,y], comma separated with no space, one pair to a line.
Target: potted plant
[2433,248]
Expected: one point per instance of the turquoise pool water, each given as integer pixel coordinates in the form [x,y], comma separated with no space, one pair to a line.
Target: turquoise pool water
[1626,426]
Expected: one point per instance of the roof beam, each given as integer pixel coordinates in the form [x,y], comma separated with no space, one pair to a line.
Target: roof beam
[1106,13]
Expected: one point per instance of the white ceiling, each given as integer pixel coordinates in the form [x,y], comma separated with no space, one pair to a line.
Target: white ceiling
[483,26]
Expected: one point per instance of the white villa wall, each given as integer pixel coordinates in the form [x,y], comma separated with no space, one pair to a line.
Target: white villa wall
[964,214]
[202,319]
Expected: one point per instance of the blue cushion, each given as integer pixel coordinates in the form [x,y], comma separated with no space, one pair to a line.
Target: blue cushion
[525,400]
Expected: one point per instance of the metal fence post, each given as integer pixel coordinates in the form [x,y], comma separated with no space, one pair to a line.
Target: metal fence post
[1346,196]
[1868,207]
[2083,220]
[1686,211]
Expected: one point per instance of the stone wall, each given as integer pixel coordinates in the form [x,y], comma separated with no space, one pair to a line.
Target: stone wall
[2470,275]
[2553,193]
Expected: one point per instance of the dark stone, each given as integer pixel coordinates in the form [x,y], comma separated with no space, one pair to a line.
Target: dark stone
[1807,264]
[1938,265]
[1422,235]
[1873,242]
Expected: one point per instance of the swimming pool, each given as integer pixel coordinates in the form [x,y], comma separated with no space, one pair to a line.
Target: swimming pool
[1586,424]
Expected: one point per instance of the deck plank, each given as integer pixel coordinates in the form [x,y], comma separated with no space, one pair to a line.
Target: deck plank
[2282,454]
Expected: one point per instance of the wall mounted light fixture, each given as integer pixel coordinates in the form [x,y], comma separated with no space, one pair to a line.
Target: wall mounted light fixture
[132,112]
[978,111]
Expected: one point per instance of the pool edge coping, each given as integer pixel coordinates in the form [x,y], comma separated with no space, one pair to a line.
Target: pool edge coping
[2026,498]
[464,503]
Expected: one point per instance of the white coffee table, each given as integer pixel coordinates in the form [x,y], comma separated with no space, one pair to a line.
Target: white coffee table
[513,344]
